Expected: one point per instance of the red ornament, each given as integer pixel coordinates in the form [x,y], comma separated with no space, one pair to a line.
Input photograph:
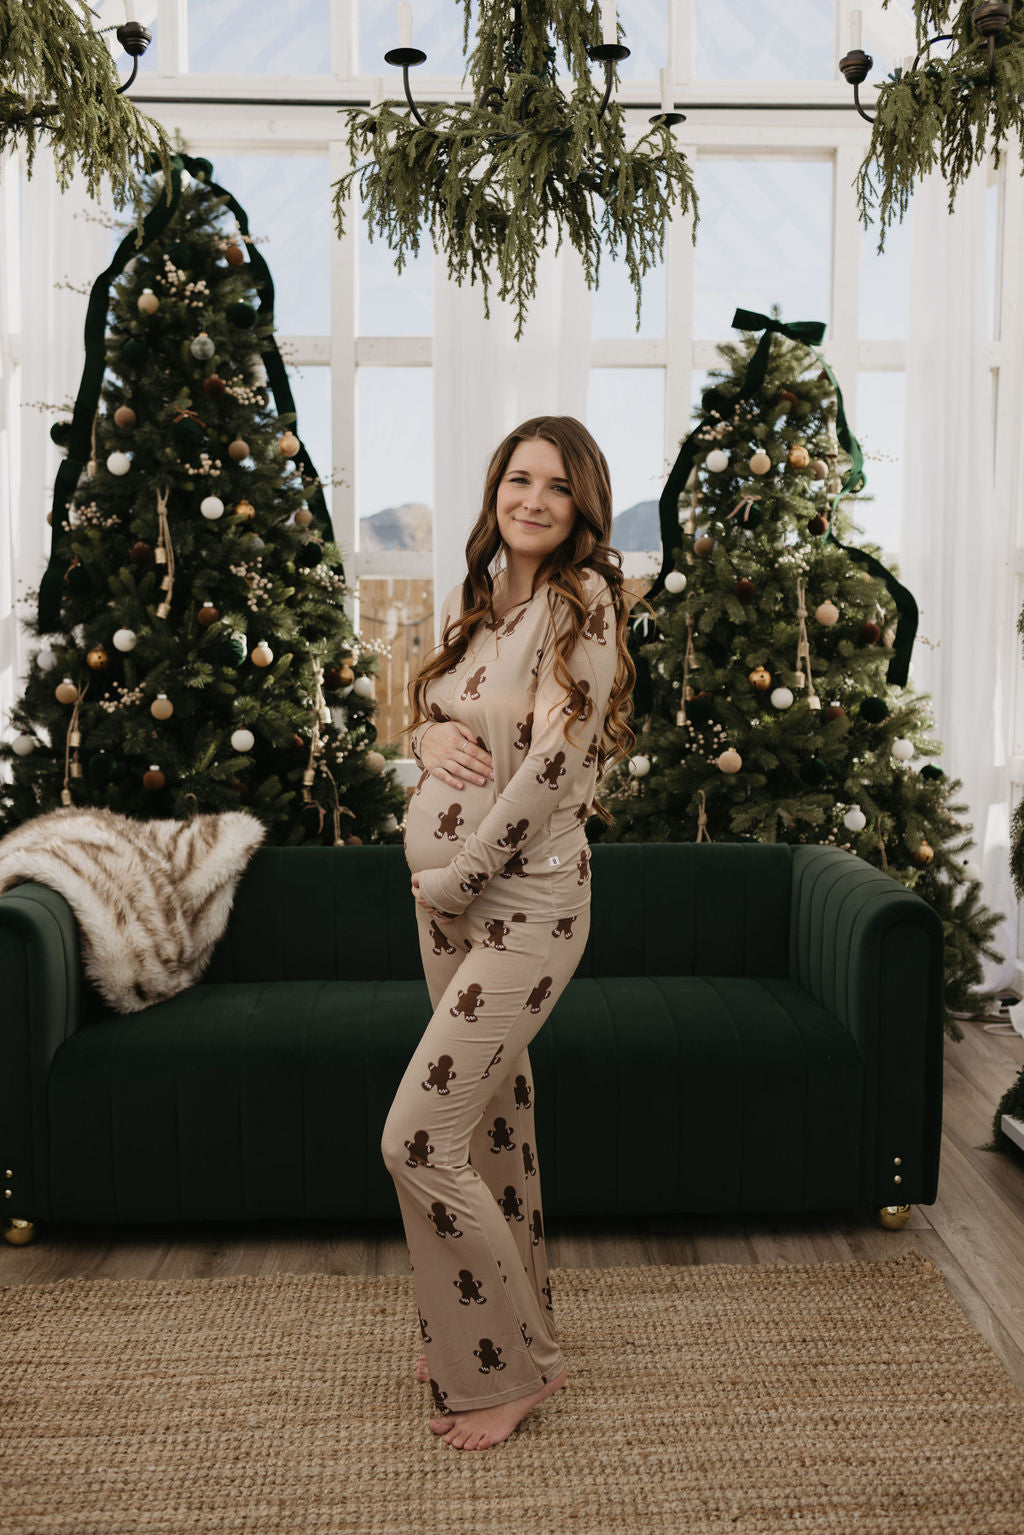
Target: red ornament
[789,397]
[332,679]
[124,416]
[242,789]
[140,554]
[207,614]
[745,590]
[154,779]
[234,255]
[835,712]
[214,386]
[817,525]
[869,634]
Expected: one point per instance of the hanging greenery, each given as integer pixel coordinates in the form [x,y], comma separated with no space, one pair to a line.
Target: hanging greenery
[58,85]
[489,179]
[944,114]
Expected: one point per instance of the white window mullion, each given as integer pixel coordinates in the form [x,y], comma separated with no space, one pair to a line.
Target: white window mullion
[344,436]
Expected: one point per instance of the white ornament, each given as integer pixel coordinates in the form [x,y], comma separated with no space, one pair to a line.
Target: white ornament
[126,639]
[971,870]
[855,819]
[782,698]
[364,687]
[202,347]
[118,462]
[46,660]
[389,824]
[376,761]
[903,750]
[212,507]
[259,373]
[717,462]
[730,761]
[760,463]
[23,745]
[640,766]
[675,581]
[827,614]
[243,740]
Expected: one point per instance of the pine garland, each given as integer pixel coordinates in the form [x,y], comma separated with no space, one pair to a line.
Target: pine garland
[59,85]
[943,114]
[488,180]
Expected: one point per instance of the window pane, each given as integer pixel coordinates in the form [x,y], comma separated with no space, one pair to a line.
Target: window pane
[287,200]
[436,31]
[311,391]
[255,37]
[398,613]
[645,34]
[614,309]
[885,281]
[765,40]
[991,250]
[393,303]
[881,399]
[765,238]
[395,436]
[626,415]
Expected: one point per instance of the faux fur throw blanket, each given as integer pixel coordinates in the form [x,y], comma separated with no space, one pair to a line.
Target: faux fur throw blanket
[151,897]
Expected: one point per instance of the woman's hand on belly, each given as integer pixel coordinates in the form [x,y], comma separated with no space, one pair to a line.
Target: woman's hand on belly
[450,752]
[432,909]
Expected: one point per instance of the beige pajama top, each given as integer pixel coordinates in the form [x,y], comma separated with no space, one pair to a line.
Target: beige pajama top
[516,844]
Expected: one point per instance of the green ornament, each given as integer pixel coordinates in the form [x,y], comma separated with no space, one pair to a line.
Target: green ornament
[874,710]
[101,768]
[231,650]
[813,772]
[242,314]
[931,771]
[186,432]
[180,253]
[60,433]
[134,353]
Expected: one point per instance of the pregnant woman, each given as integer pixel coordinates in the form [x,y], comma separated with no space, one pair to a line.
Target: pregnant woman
[525,702]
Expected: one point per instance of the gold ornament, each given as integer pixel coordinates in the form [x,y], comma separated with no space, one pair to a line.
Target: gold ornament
[799,456]
[288,444]
[124,416]
[161,708]
[703,546]
[346,673]
[66,691]
[238,450]
[98,659]
[761,678]
[760,463]
[244,510]
[148,303]
[303,517]
[262,655]
[924,855]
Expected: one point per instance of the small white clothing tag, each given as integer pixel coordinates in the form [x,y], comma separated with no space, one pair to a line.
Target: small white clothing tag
[553,860]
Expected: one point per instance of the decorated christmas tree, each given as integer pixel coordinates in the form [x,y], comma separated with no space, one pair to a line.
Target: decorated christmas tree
[773,681]
[195,655]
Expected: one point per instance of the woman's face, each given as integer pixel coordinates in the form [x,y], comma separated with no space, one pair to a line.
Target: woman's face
[535,508]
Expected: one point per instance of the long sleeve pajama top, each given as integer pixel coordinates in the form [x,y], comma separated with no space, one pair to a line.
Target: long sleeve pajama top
[516,844]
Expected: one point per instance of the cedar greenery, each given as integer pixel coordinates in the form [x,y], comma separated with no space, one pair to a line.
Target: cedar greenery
[942,113]
[59,86]
[488,179]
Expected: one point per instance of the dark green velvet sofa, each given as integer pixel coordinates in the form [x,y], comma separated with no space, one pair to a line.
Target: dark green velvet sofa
[751,1028]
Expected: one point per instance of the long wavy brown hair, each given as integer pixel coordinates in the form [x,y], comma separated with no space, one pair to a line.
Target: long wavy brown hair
[587,546]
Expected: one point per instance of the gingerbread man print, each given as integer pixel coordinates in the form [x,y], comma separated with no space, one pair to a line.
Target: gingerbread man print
[497,931]
[469,1001]
[525,728]
[501,1135]
[595,626]
[441,943]
[444,1224]
[488,1354]
[494,1062]
[440,1075]
[474,683]
[449,822]
[539,995]
[563,927]
[418,1150]
[510,1203]
[522,1090]
[529,1165]
[469,1289]
[554,769]
[514,835]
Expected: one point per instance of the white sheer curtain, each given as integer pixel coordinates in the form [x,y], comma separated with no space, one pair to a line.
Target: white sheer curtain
[47,237]
[957,557]
[486,383]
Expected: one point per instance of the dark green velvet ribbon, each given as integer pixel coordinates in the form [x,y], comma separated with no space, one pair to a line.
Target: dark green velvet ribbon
[809,332]
[80,440]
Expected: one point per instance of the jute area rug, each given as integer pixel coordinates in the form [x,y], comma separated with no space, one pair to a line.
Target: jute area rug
[848,1397]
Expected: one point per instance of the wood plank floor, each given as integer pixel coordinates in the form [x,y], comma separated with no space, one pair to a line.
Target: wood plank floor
[974,1232]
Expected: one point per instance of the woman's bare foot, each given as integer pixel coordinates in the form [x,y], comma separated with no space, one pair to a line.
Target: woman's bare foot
[422,1372]
[481,1427]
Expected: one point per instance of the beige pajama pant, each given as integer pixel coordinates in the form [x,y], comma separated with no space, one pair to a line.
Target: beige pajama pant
[459,1143]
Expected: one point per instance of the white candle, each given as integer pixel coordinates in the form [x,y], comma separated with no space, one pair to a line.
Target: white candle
[609,23]
[666,90]
[855,32]
[404,24]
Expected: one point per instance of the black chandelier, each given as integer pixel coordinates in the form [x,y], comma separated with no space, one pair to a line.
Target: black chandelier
[134,39]
[991,18]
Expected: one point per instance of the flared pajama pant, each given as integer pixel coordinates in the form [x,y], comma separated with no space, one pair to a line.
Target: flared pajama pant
[459,1142]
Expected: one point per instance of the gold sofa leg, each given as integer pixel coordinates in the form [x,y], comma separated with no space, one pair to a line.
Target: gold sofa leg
[893,1217]
[19,1233]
